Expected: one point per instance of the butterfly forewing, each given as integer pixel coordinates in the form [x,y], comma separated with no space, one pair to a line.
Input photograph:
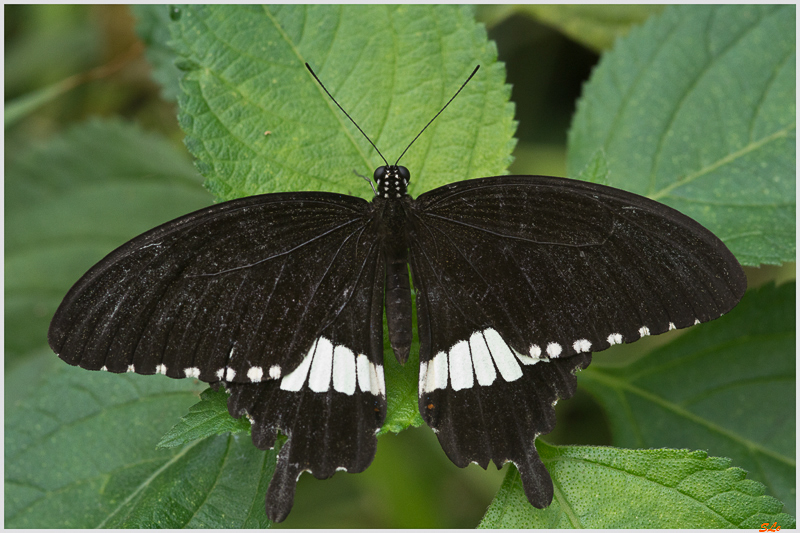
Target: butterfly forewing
[519,278]
[568,265]
[219,291]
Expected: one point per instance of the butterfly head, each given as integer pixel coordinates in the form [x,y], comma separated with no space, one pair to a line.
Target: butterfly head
[392,181]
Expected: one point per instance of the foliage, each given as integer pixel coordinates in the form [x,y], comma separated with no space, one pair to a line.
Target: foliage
[696,109]
[80,446]
[726,386]
[601,487]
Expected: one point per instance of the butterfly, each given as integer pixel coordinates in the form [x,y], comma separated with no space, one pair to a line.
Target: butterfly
[280,298]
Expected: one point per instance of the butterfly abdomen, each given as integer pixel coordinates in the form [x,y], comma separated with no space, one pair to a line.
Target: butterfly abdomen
[398,288]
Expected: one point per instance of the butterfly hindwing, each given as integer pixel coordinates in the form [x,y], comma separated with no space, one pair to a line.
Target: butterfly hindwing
[334,402]
[485,400]
[499,421]
[519,278]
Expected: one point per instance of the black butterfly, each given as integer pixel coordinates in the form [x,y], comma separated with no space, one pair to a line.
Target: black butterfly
[280,298]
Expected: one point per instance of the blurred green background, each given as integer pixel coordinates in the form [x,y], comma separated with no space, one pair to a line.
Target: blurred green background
[66,63]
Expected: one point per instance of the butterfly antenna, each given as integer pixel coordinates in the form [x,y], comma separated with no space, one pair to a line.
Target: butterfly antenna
[348,116]
[437,114]
[367,180]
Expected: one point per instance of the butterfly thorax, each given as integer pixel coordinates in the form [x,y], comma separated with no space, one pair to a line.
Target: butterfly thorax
[392,181]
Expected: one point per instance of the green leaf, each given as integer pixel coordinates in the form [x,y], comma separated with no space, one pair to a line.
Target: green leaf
[390,67]
[727,386]
[153,29]
[696,109]
[596,170]
[80,453]
[74,199]
[87,457]
[601,487]
[207,418]
[595,26]
[402,410]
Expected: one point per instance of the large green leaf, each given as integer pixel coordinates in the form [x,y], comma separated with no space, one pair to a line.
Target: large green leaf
[727,386]
[600,487]
[80,453]
[72,200]
[696,109]
[390,67]
[248,76]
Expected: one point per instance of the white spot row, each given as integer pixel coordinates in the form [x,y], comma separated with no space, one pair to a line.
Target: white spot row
[345,368]
[254,374]
[323,363]
[476,359]
[480,358]
[326,363]
[554,349]
[583,346]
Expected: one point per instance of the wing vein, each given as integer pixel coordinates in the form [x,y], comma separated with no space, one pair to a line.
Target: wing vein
[501,303]
[514,237]
[286,252]
[325,274]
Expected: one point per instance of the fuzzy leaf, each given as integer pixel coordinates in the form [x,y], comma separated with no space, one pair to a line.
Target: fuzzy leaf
[696,109]
[207,418]
[727,386]
[610,488]
[80,453]
[247,77]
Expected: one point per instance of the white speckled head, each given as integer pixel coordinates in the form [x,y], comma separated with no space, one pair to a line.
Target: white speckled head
[392,181]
